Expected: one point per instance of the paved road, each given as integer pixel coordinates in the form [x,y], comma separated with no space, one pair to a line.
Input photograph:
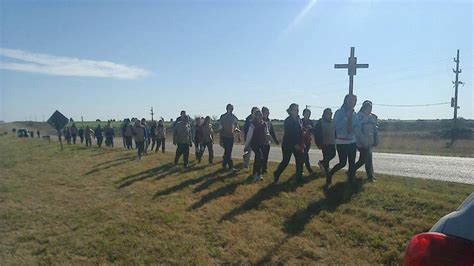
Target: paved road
[455,169]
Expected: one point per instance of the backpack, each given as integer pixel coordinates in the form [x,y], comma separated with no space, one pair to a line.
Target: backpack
[318,133]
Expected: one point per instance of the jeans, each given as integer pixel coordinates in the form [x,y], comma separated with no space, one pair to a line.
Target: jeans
[74,136]
[99,141]
[128,142]
[109,141]
[329,152]
[306,158]
[210,149]
[365,157]
[140,147]
[287,152]
[258,162]
[228,143]
[160,142]
[265,153]
[345,152]
[88,142]
[182,149]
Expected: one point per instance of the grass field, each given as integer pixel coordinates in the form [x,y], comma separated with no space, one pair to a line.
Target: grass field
[91,206]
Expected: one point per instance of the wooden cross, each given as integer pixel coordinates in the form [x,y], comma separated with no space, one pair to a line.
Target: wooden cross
[352,67]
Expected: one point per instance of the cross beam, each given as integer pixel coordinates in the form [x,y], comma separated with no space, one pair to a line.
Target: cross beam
[352,67]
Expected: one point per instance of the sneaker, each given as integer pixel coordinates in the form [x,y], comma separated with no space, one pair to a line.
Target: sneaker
[256,178]
[321,167]
[233,170]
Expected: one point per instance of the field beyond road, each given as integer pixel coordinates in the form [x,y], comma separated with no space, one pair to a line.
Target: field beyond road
[90,206]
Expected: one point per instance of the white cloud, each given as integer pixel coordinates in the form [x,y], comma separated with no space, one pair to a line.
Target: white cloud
[67,66]
[297,20]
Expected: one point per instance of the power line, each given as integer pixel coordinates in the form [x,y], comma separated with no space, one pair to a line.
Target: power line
[387,105]
[410,105]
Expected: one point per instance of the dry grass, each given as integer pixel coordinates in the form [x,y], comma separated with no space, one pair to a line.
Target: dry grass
[91,206]
[394,143]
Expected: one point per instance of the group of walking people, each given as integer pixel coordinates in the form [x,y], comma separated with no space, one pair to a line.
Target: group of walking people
[71,133]
[346,133]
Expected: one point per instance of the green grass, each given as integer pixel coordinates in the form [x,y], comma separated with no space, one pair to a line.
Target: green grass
[91,206]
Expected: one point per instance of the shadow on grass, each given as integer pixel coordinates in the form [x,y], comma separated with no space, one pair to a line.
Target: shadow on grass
[120,162]
[267,193]
[157,172]
[124,157]
[228,189]
[210,181]
[192,181]
[337,195]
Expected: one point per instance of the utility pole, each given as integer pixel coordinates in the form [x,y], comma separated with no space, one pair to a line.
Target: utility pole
[152,113]
[454,101]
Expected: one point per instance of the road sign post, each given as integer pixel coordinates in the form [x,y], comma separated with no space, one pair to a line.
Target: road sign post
[58,121]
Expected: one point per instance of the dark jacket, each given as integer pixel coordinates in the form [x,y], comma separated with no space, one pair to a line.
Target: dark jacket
[292,132]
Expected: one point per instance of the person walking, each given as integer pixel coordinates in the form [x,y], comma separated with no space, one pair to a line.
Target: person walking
[290,144]
[80,132]
[67,135]
[153,135]
[257,137]
[269,141]
[183,140]
[128,134]
[325,138]
[346,124]
[99,135]
[207,139]
[109,135]
[139,136]
[367,137]
[147,135]
[160,136]
[307,129]
[125,125]
[88,134]
[248,121]
[74,133]
[228,126]
[197,137]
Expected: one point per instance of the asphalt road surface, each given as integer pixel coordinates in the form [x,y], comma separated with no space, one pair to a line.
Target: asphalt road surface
[454,169]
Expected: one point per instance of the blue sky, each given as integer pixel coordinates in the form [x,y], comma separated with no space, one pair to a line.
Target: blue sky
[116,59]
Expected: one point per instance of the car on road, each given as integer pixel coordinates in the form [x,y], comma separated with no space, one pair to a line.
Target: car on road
[449,242]
[22,133]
